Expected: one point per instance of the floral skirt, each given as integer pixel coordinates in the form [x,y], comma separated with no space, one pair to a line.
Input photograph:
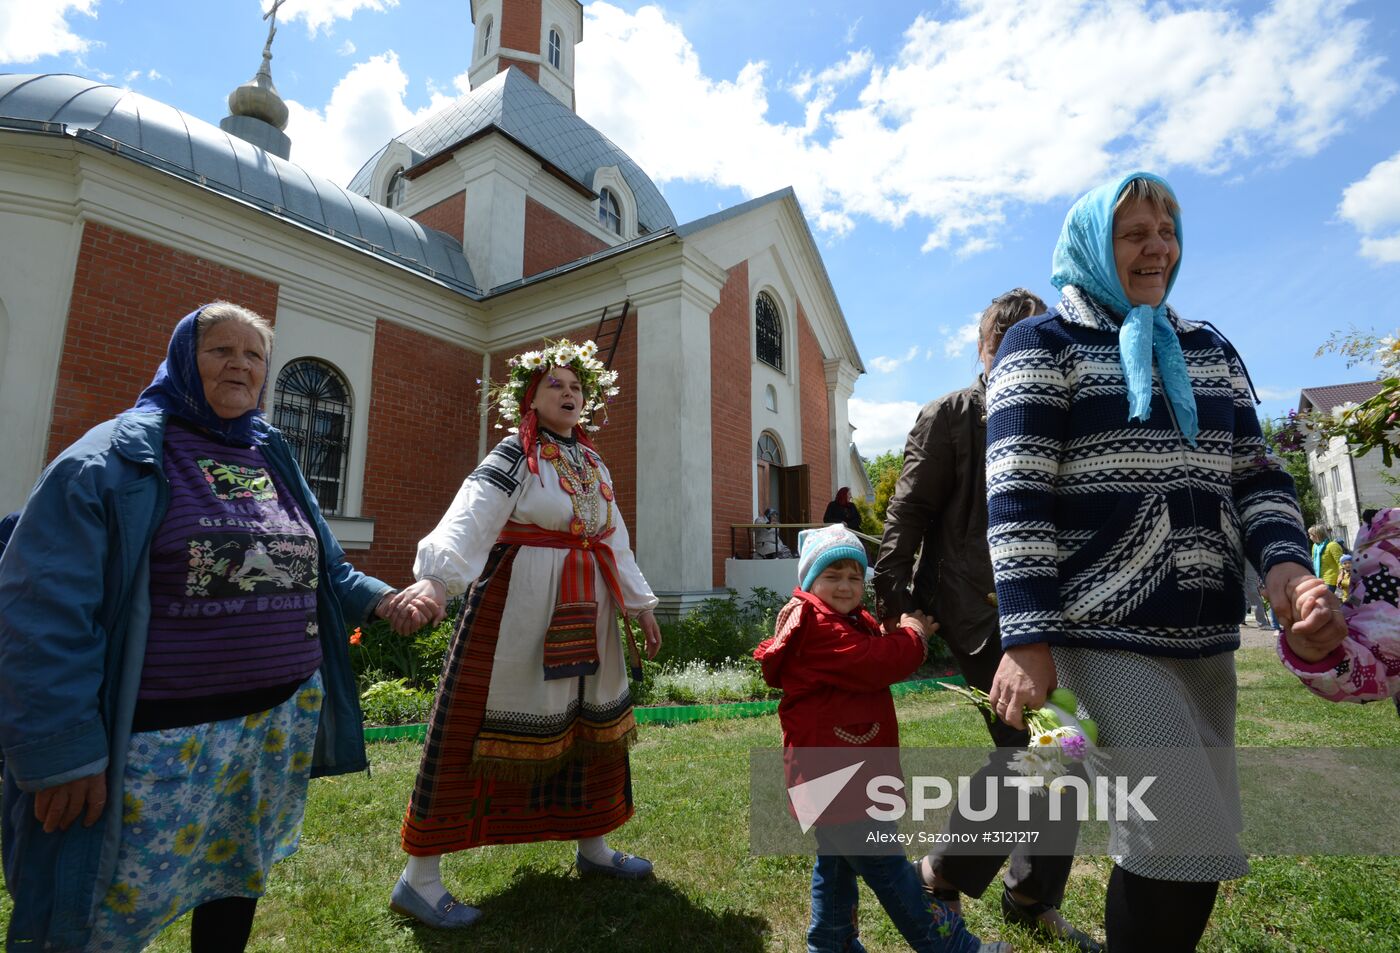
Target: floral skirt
[206,811]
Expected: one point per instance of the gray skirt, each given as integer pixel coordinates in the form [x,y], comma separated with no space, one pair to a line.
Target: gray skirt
[1178,718]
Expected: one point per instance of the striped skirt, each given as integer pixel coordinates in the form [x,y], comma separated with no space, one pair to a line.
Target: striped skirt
[497,777]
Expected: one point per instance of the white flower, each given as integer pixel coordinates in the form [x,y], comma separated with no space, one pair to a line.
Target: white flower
[1393,435]
[613,391]
[532,359]
[1340,414]
[587,349]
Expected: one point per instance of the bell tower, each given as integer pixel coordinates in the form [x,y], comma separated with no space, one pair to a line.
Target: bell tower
[538,37]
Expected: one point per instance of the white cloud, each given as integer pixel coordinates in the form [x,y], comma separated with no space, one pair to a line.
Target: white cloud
[346,49]
[886,365]
[1372,204]
[956,129]
[1277,393]
[366,110]
[321,14]
[135,74]
[957,340]
[30,29]
[881,425]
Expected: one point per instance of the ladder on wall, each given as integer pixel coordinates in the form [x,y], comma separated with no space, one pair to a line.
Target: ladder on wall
[609,334]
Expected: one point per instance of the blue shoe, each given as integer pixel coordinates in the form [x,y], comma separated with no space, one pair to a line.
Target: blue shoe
[623,865]
[449,914]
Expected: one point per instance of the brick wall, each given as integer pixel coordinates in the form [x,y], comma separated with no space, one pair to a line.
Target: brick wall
[552,240]
[617,440]
[447,216]
[731,413]
[128,295]
[816,423]
[531,70]
[422,443]
[520,25]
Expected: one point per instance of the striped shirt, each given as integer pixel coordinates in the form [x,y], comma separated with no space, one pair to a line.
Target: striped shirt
[233,585]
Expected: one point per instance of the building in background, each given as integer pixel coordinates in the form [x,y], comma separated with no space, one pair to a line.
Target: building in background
[502,220]
[1346,485]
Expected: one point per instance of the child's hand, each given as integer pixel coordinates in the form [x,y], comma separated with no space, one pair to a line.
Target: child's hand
[920,623]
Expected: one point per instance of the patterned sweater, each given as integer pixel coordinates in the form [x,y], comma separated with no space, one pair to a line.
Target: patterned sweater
[1119,534]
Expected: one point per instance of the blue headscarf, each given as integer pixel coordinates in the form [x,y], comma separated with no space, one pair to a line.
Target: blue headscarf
[1084,258]
[177,389]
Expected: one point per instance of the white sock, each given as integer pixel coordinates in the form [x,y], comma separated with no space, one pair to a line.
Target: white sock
[595,849]
[424,875]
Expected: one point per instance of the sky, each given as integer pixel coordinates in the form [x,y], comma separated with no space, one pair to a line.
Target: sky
[934,147]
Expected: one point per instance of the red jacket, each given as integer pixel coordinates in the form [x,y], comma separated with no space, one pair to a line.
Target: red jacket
[835,672]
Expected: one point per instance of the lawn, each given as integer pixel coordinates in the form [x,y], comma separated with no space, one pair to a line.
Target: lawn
[691,787]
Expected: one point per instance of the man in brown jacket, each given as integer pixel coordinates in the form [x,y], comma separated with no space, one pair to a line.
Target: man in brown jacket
[934,558]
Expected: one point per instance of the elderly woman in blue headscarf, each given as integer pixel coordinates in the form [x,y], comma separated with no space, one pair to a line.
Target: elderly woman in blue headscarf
[173,659]
[1127,485]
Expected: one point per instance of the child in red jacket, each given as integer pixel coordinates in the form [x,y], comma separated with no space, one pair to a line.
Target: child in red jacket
[835,667]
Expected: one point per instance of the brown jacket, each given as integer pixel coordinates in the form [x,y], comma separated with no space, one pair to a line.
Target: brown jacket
[939,514]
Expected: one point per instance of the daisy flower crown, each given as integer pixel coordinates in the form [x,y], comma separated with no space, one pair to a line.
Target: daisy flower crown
[599,383]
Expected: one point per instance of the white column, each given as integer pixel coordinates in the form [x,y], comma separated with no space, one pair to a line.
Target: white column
[39,240]
[674,293]
[495,176]
[840,385]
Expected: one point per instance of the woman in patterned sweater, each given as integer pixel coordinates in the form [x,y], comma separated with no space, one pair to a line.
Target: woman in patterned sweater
[1124,500]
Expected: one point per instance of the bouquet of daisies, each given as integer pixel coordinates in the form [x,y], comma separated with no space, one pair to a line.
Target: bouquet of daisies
[1059,740]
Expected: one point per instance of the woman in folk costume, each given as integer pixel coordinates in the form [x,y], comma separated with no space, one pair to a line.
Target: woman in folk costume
[528,736]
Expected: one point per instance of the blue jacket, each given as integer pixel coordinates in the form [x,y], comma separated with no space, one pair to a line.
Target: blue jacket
[74,606]
[1119,534]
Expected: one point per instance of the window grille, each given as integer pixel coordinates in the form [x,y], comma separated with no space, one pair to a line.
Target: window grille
[555,49]
[398,187]
[770,331]
[311,406]
[609,212]
[769,451]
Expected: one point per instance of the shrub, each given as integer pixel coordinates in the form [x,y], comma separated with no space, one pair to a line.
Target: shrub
[392,702]
[720,629]
[377,653]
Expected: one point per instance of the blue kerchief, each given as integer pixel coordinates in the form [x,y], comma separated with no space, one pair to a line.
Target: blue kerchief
[1084,258]
[177,389]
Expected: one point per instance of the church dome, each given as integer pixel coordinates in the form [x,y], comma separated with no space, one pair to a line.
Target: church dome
[164,138]
[514,104]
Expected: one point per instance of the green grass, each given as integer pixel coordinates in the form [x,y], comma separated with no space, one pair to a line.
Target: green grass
[691,788]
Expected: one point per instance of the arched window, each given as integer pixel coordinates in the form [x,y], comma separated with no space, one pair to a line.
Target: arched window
[770,475]
[556,44]
[398,188]
[768,449]
[311,406]
[609,212]
[770,398]
[770,331]
[486,37]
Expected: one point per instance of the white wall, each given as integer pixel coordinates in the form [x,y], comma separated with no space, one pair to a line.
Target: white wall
[39,239]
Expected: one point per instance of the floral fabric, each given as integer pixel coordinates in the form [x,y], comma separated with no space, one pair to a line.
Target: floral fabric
[207,810]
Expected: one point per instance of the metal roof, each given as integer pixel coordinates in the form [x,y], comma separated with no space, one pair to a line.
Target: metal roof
[517,106]
[167,139]
[1327,398]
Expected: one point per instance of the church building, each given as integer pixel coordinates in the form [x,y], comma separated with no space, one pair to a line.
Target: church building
[501,221]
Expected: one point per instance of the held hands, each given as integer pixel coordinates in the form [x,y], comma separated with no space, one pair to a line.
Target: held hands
[59,806]
[1024,679]
[923,626]
[1310,614]
[408,610]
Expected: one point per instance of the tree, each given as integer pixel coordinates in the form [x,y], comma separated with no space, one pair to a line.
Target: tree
[883,472]
[1296,463]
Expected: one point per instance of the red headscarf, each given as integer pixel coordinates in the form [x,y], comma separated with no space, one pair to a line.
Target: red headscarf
[530,424]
